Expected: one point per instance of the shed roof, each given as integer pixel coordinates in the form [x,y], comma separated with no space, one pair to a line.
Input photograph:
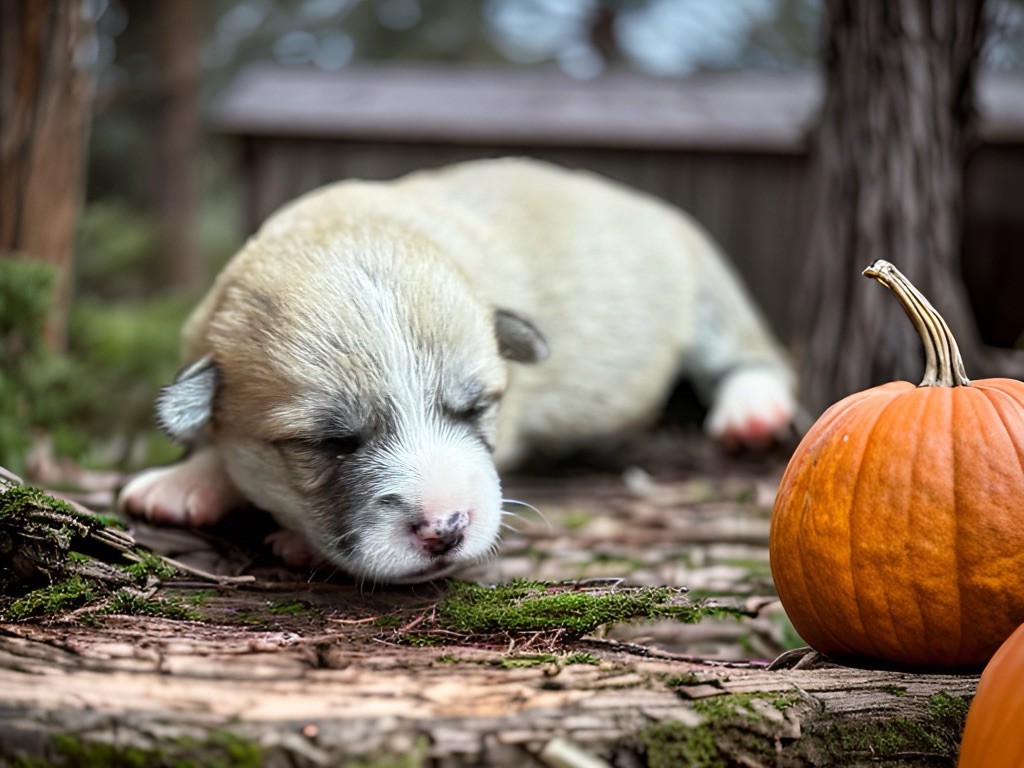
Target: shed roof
[448,104]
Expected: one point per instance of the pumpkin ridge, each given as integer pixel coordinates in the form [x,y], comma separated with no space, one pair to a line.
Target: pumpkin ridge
[955,466]
[777,532]
[854,518]
[923,406]
[825,624]
[807,600]
[800,476]
[798,480]
[988,396]
[1001,413]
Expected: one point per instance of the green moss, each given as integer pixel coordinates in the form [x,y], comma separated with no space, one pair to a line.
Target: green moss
[950,710]
[674,744]
[895,690]
[289,607]
[220,749]
[247,618]
[237,752]
[150,565]
[52,599]
[22,502]
[582,657]
[128,603]
[112,521]
[576,519]
[738,705]
[935,737]
[745,496]
[527,660]
[414,758]
[96,754]
[691,678]
[200,597]
[16,499]
[884,738]
[524,606]
[671,745]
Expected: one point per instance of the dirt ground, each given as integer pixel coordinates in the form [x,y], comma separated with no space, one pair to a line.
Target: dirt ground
[681,514]
[275,667]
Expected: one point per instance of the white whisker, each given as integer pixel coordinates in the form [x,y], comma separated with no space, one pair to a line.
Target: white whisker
[528,506]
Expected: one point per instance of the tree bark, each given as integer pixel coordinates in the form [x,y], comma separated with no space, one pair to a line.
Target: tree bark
[271,668]
[178,38]
[174,693]
[45,90]
[887,172]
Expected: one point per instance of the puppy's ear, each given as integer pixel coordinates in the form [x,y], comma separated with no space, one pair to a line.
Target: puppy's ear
[518,339]
[184,407]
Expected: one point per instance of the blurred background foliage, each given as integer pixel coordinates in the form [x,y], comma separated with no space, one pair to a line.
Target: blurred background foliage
[95,400]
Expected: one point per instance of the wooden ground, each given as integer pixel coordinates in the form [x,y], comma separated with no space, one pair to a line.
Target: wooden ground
[278,670]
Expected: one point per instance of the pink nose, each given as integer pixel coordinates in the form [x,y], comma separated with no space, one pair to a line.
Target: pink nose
[437,536]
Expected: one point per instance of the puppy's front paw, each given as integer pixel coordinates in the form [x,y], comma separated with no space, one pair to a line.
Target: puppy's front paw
[753,407]
[195,492]
[294,549]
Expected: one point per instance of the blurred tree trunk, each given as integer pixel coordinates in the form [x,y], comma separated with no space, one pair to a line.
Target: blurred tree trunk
[45,90]
[178,39]
[887,172]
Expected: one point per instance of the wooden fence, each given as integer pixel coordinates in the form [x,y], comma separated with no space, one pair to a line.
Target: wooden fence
[730,149]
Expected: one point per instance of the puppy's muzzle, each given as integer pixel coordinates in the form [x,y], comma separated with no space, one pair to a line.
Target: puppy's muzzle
[439,535]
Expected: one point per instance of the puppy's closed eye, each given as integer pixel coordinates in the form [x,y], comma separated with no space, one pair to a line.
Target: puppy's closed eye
[339,446]
[473,411]
[334,447]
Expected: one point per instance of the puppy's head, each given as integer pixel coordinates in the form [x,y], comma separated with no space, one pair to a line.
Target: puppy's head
[356,399]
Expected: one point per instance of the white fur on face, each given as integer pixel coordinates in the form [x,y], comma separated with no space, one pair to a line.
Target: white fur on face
[398,375]
[434,469]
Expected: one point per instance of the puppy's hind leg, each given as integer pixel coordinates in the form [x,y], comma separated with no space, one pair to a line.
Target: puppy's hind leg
[736,364]
[195,491]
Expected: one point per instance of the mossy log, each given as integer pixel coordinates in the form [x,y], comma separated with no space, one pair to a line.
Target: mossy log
[179,670]
[281,676]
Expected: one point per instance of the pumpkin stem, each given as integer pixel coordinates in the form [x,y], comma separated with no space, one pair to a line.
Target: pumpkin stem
[943,365]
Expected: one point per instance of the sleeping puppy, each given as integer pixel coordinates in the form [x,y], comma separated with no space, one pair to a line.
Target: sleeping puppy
[373,356]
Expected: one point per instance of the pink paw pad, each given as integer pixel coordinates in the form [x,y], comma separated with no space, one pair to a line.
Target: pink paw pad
[753,409]
[195,492]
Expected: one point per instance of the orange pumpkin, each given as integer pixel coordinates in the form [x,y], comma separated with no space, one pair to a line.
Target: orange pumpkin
[993,737]
[897,536]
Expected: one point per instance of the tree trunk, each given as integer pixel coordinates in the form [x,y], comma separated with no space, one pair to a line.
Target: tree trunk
[887,169]
[45,91]
[177,31]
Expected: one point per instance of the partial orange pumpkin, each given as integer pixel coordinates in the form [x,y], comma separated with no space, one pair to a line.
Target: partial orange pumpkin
[897,536]
[993,736]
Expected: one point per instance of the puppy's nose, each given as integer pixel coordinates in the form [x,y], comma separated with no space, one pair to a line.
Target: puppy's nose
[439,535]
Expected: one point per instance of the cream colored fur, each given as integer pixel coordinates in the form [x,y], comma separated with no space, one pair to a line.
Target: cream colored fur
[630,292]
[392,287]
